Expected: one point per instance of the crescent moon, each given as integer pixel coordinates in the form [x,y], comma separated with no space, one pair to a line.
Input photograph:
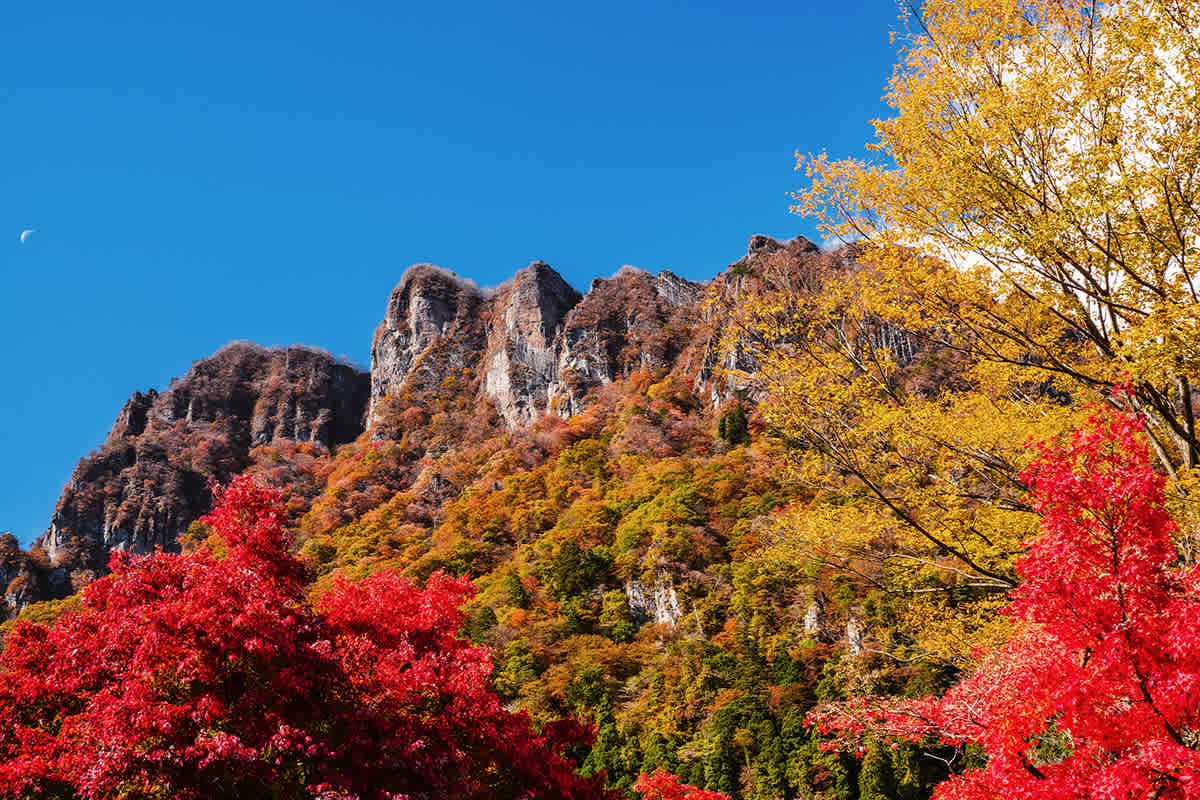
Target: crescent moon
[25,234]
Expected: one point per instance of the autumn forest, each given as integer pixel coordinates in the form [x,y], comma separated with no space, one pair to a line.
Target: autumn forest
[909,515]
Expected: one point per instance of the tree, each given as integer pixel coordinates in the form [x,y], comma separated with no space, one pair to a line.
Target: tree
[206,676]
[1037,198]
[1022,242]
[661,785]
[1097,695]
[914,449]
[734,427]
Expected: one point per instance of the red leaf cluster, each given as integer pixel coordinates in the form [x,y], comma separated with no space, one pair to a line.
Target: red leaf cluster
[1097,695]
[199,676]
[662,785]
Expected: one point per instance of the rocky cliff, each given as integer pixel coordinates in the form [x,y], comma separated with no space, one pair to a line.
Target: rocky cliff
[149,480]
[631,321]
[526,317]
[535,345]
[545,345]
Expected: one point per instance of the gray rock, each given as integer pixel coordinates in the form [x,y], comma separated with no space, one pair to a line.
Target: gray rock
[427,303]
[149,481]
[521,361]
[812,619]
[854,635]
[658,603]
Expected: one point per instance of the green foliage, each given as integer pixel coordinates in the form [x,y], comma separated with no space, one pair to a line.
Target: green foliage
[517,667]
[734,427]
[515,588]
[616,618]
[480,622]
[875,780]
[573,570]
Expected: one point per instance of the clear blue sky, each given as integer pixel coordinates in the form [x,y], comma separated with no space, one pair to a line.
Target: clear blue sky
[203,172]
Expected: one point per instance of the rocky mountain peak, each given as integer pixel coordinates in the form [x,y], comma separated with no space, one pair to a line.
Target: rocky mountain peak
[676,290]
[427,303]
[762,244]
[546,346]
[527,314]
[149,480]
[631,321]
[134,415]
[536,303]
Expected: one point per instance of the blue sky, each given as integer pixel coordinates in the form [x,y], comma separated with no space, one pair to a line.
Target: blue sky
[203,172]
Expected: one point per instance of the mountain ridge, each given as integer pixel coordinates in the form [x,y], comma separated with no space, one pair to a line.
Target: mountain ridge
[531,346]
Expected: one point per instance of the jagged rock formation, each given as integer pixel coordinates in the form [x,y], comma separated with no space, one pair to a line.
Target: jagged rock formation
[546,345]
[527,315]
[428,308]
[134,416]
[657,604]
[633,320]
[149,480]
[855,634]
[19,575]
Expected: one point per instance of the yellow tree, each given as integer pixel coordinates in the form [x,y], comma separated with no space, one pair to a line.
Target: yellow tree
[1049,152]
[914,448]
[1025,240]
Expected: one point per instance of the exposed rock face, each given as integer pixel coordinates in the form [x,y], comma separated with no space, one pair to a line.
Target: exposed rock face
[521,361]
[150,479]
[812,619]
[546,346]
[134,416]
[633,320]
[658,603]
[854,635]
[428,305]
[19,579]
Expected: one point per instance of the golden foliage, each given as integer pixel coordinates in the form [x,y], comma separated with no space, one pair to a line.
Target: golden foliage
[1048,151]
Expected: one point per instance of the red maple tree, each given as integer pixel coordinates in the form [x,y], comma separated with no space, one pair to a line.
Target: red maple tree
[210,675]
[662,785]
[1097,694]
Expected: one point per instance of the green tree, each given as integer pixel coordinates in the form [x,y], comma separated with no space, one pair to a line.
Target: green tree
[734,427]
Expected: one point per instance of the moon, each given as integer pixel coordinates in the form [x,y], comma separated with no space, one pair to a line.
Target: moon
[25,234]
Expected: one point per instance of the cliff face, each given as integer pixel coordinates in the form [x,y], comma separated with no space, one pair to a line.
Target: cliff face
[429,307]
[546,346]
[526,315]
[23,582]
[439,328]
[631,321]
[149,480]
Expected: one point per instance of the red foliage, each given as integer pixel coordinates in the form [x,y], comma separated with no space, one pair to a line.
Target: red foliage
[662,785]
[1098,693]
[193,676]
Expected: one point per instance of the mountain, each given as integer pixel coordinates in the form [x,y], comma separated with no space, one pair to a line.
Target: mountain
[532,346]
[593,462]
[150,479]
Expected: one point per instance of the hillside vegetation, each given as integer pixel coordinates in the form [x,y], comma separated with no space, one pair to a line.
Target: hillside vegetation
[910,517]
